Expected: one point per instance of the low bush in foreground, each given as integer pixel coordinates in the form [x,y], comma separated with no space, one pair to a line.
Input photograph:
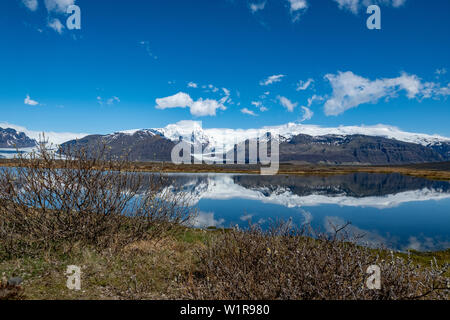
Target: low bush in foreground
[287,264]
[228,264]
[53,200]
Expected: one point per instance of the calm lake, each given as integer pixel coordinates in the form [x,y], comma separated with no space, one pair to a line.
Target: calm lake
[391,210]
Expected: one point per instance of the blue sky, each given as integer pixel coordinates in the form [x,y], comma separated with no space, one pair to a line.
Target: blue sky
[236,64]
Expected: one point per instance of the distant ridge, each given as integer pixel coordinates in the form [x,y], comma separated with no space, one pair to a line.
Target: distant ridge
[289,130]
[11,139]
[378,145]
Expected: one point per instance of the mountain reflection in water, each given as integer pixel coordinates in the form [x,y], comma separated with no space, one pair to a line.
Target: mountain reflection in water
[391,210]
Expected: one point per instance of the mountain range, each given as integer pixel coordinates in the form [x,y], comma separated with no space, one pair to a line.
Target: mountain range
[10,138]
[378,145]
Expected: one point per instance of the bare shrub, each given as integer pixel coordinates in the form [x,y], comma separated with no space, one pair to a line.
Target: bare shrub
[284,263]
[93,198]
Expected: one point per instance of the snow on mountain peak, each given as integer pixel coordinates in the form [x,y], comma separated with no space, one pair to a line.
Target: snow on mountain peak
[223,139]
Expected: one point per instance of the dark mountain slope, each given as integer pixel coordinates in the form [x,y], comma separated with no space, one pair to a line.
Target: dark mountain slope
[355,149]
[140,146]
[150,145]
[10,138]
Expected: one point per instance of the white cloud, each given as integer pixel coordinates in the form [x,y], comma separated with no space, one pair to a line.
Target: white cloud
[355,5]
[307,114]
[441,71]
[313,99]
[247,111]
[206,219]
[146,45]
[246,217]
[351,90]
[59,6]
[30,102]
[226,98]
[361,236]
[56,25]
[352,5]
[398,3]
[32,5]
[213,88]
[424,244]
[255,7]
[201,107]
[179,100]
[206,107]
[192,85]
[434,90]
[272,79]
[259,105]
[288,104]
[113,100]
[210,88]
[297,7]
[303,85]
[307,216]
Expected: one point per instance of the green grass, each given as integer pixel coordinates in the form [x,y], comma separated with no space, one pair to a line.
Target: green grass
[424,258]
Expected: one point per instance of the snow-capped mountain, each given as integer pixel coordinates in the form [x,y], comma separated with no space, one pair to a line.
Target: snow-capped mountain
[141,145]
[378,144]
[10,138]
[218,137]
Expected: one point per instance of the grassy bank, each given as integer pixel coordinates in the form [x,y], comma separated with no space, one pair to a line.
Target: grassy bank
[170,267]
[142,270]
[432,171]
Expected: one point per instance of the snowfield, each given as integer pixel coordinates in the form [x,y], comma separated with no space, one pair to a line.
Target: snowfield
[223,138]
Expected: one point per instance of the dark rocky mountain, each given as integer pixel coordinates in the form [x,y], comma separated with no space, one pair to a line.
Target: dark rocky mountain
[151,145]
[145,145]
[10,138]
[358,149]
[443,148]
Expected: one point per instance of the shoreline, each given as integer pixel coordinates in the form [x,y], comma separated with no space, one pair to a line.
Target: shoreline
[432,171]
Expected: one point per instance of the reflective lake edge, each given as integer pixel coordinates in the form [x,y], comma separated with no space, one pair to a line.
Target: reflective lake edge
[393,210]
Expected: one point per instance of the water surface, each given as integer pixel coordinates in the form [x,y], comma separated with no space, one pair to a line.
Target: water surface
[391,210]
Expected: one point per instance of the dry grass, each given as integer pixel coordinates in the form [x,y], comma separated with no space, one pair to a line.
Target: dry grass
[287,264]
[434,171]
[226,264]
[151,269]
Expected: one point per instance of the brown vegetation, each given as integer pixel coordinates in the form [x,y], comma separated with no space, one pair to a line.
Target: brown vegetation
[51,201]
[285,263]
[434,171]
[10,291]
